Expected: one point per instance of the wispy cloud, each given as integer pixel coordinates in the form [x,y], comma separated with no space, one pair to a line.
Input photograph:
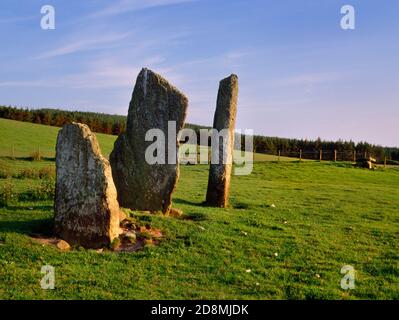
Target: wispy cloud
[101,73]
[18,19]
[239,53]
[123,6]
[85,45]
[22,83]
[309,79]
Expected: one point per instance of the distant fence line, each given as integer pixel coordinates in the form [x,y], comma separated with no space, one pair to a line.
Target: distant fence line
[35,154]
[329,155]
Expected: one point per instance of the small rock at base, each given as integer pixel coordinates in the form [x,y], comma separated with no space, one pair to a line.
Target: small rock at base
[131,236]
[115,244]
[148,242]
[63,245]
[173,212]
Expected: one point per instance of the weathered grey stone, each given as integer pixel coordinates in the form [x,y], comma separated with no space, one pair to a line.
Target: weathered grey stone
[86,207]
[222,153]
[140,185]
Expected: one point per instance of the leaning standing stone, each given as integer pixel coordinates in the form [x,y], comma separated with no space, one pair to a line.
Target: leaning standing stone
[86,206]
[142,185]
[222,152]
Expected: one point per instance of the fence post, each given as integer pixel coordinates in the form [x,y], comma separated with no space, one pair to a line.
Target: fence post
[279,154]
[335,155]
[321,154]
[365,154]
[385,162]
[300,155]
[354,156]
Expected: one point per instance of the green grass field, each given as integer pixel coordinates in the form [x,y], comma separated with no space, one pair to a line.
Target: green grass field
[33,137]
[27,138]
[290,229]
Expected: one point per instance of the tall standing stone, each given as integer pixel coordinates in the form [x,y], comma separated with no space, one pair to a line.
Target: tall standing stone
[140,185]
[86,207]
[222,153]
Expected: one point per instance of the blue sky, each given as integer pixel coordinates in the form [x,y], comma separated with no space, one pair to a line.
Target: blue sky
[300,74]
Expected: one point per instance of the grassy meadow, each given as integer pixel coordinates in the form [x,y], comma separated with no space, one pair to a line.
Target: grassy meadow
[289,230]
[33,137]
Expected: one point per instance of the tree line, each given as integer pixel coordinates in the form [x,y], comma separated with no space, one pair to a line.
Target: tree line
[116,124]
[98,122]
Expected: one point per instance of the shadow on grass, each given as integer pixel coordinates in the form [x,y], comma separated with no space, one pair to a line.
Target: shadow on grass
[241,205]
[32,228]
[195,216]
[30,208]
[29,159]
[191,203]
[202,204]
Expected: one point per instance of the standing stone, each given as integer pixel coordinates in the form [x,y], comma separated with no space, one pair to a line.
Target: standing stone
[222,154]
[140,185]
[86,206]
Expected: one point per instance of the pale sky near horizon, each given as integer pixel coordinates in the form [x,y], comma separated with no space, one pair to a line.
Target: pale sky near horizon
[300,74]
